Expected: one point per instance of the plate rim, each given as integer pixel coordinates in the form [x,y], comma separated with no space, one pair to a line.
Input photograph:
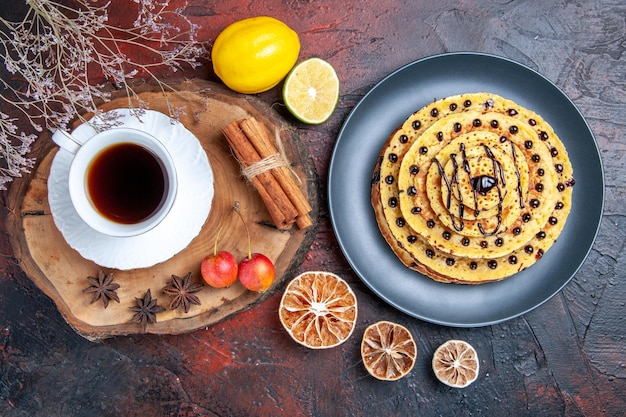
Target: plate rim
[355,111]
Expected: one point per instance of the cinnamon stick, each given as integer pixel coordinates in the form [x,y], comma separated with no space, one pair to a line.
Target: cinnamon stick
[281,209]
[260,139]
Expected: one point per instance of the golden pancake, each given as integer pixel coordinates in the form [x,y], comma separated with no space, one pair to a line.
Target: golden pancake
[472,188]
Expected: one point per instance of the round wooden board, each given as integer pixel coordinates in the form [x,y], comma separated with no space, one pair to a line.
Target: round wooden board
[62,273]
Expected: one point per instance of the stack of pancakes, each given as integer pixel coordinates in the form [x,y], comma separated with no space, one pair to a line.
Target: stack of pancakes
[472,188]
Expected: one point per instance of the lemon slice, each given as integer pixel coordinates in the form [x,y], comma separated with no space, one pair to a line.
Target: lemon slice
[388,350]
[318,310]
[455,363]
[311,91]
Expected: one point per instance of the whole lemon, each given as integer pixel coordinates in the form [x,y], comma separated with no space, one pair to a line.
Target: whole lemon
[253,55]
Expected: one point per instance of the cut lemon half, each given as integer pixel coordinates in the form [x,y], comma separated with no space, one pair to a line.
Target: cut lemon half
[455,363]
[311,91]
[388,350]
[318,310]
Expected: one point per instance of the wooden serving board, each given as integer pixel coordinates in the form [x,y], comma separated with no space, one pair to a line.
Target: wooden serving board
[62,273]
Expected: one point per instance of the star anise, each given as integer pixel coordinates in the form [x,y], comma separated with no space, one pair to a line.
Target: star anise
[102,288]
[145,310]
[182,290]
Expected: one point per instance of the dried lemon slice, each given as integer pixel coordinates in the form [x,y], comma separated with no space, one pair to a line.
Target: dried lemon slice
[388,350]
[455,363]
[318,310]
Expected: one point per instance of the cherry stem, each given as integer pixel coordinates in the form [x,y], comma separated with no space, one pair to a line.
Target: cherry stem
[236,210]
[219,231]
[217,237]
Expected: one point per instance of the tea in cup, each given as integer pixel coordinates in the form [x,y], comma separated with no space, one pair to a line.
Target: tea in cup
[122,181]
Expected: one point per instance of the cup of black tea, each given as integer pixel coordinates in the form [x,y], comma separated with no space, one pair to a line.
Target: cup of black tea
[122,181]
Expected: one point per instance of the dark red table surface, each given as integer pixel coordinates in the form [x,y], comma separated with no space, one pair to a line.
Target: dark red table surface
[566,357]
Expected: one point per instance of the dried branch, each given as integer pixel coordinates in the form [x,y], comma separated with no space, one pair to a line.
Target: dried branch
[63,54]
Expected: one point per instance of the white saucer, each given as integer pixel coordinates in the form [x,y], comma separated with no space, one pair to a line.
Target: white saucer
[172,235]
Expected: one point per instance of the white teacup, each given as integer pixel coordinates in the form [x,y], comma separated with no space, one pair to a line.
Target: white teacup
[122,181]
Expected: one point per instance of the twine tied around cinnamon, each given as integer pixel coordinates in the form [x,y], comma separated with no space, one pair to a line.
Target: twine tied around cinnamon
[273,161]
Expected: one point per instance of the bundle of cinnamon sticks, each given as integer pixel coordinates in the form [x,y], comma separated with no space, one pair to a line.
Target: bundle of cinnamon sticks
[253,147]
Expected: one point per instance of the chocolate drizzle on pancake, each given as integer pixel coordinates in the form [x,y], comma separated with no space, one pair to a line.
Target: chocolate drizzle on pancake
[481,184]
[454,181]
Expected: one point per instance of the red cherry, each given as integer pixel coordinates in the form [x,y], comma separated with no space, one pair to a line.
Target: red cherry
[256,272]
[219,270]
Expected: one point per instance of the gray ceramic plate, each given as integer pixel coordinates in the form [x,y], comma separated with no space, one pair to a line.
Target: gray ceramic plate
[360,140]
